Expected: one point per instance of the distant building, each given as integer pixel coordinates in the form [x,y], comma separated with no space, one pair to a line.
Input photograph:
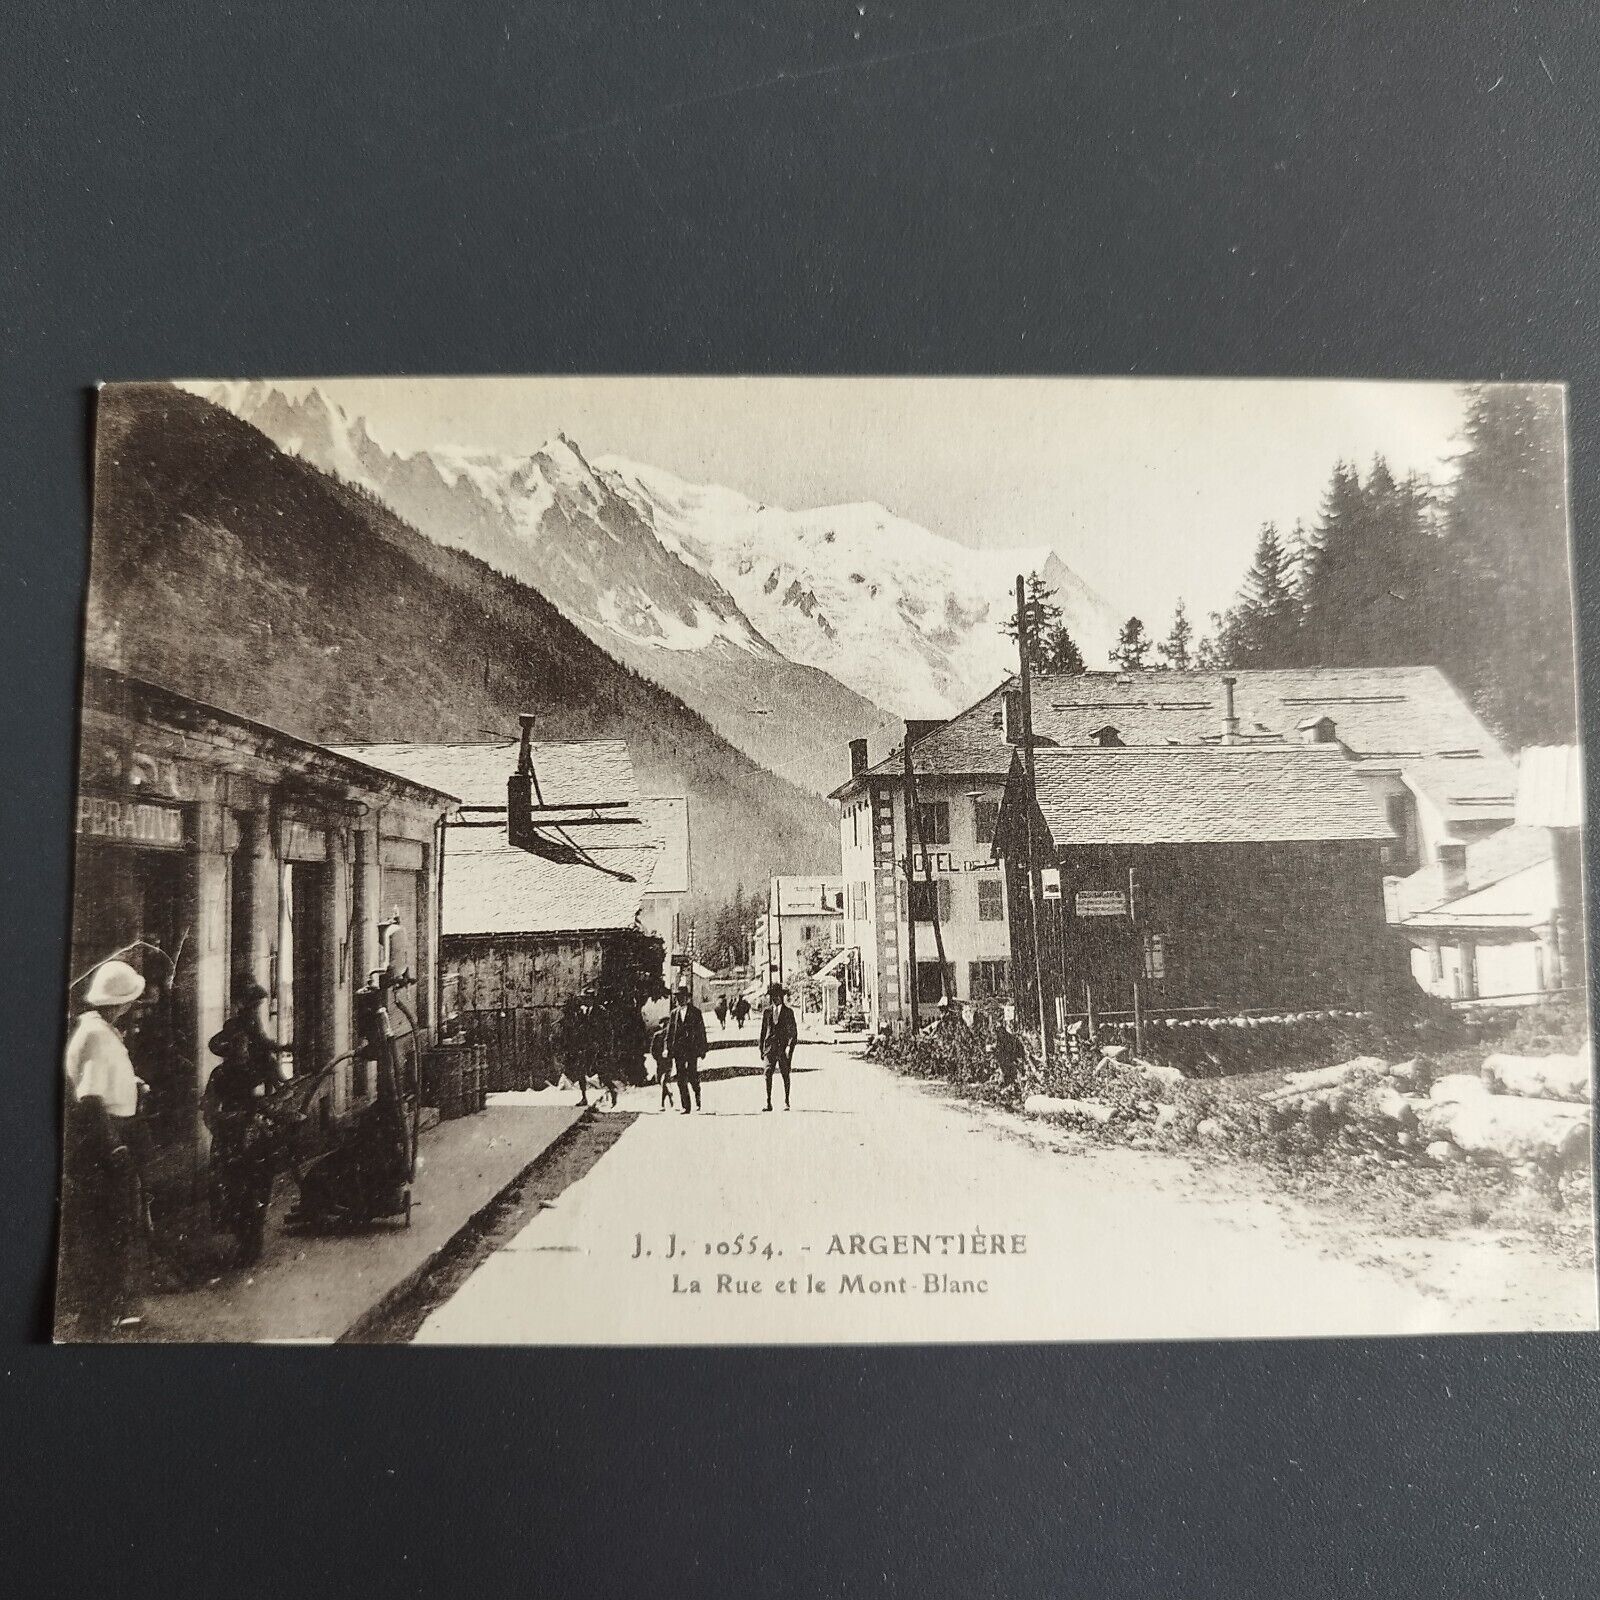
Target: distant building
[1221,876]
[801,914]
[1481,920]
[524,930]
[1437,775]
[219,848]
[661,911]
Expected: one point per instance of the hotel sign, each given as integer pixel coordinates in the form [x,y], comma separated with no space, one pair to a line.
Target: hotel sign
[128,821]
[949,861]
[1100,903]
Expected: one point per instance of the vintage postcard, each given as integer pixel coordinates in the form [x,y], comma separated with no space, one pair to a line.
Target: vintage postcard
[716,861]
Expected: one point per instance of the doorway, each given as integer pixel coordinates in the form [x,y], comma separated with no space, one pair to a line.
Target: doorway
[308,964]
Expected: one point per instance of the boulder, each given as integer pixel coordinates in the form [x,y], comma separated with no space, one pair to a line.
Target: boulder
[1454,1086]
[1212,1130]
[1150,1069]
[1552,1133]
[1543,1077]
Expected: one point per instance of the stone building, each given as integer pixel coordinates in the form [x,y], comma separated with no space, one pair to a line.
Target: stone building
[216,847]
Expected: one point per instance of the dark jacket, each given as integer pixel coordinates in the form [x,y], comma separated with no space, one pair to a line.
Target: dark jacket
[779,1035]
[586,1040]
[686,1040]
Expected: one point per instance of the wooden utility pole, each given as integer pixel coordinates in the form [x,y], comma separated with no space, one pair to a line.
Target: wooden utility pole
[1035,893]
[909,800]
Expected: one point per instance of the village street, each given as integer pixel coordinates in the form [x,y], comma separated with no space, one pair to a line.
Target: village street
[738,1226]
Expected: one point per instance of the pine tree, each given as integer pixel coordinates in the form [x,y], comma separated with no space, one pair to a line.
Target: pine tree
[1041,616]
[1061,653]
[1133,645]
[1176,650]
[1368,590]
[1503,592]
[1262,627]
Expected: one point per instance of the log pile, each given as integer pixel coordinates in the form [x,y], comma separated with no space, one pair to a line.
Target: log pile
[1516,1110]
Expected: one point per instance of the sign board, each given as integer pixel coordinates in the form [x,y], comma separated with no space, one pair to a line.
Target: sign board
[682,961]
[1050,882]
[949,861]
[141,822]
[1100,903]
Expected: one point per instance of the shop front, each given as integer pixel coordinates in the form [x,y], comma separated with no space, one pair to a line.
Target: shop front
[211,848]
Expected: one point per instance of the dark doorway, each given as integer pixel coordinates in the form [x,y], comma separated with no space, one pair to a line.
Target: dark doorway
[308,922]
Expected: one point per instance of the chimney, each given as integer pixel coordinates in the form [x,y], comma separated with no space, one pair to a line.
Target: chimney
[1318,730]
[522,789]
[1453,870]
[1011,715]
[1230,718]
[921,727]
[858,757]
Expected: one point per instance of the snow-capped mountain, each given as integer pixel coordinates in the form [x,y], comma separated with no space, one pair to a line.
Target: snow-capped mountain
[549,520]
[876,601]
[790,631]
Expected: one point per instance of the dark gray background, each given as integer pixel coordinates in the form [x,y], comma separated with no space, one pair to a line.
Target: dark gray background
[1404,189]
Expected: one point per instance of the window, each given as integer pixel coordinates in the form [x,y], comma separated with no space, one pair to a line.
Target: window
[1155,957]
[926,897]
[985,815]
[1401,854]
[858,901]
[987,978]
[855,826]
[991,901]
[933,823]
[929,990]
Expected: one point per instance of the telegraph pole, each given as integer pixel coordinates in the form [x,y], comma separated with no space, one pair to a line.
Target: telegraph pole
[1035,894]
[910,801]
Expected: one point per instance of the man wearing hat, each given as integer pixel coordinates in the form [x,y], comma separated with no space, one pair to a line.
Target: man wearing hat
[779,1035]
[685,1045]
[103,1196]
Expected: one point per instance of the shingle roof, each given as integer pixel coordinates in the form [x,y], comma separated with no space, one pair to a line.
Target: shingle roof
[1550,786]
[568,773]
[1407,717]
[1493,859]
[1205,794]
[492,888]
[667,819]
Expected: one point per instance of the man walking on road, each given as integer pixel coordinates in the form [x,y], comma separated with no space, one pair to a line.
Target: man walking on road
[779,1035]
[686,1044]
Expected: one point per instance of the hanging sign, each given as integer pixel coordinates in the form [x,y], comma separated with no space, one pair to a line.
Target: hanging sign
[1050,882]
[1100,903]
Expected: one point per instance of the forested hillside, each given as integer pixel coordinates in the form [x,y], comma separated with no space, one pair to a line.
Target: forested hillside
[232,572]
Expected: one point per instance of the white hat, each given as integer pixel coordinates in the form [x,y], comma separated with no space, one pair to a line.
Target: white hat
[114,983]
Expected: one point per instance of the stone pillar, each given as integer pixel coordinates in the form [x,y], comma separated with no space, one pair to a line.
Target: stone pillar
[210,939]
[344,958]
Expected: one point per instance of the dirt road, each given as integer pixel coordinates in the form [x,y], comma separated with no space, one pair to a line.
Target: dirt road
[878,1209]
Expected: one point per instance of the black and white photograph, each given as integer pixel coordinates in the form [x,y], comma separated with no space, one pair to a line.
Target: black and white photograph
[779,860]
